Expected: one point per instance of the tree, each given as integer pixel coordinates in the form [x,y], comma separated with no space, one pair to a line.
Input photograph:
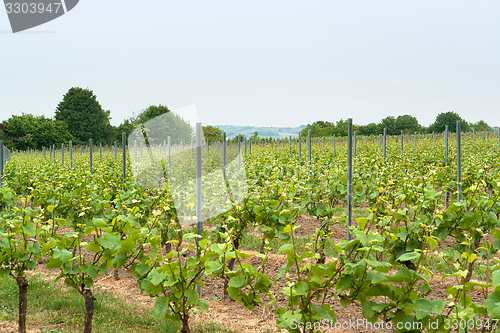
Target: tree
[84,116]
[212,133]
[242,138]
[448,118]
[27,131]
[390,124]
[126,127]
[481,126]
[318,129]
[370,129]
[5,136]
[408,124]
[149,113]
[158,123]
[341,128]
[255,137]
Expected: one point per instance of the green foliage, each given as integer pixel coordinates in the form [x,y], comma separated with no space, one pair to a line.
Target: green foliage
[408,124]
[307,291]
[149,113]
[4,136]
[390,124]
[27,131]
[20,227]
[175,282]
[412,206]
[370,129]
[481,126]
[241,138]
[341,128]
[255,137]
[394,126]
[448,118]
[213,134]
[319,128]
[157,123]
[62,306]
[85,117]
[127,126]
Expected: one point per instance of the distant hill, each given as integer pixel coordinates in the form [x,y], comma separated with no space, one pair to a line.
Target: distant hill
[264,132]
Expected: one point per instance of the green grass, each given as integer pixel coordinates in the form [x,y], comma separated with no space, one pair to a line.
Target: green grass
[62,310]
[356,212]
[253,243]
[437,265]
[212,328]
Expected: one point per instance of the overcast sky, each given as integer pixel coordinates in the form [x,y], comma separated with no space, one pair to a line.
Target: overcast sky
[262,63]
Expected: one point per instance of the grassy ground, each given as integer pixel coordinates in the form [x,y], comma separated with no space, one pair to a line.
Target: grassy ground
[62,310]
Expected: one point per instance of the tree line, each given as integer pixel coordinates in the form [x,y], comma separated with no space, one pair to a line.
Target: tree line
[80,116]
[394,126]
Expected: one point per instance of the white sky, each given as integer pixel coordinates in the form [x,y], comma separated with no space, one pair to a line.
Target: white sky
[262,63]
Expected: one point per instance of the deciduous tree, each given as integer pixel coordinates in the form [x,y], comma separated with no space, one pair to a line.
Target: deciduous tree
[84,116]
[390,124]
[448,118]
[481,126]
[158,123]
[27,131]
[408,124]
[212,133]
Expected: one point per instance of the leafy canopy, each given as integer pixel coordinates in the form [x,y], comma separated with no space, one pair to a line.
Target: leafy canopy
[481,126]
[84,116]
[28,131]
[448,118]
[211,133]
[158,123]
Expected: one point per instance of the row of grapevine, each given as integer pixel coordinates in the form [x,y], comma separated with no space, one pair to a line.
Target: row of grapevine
[82,224]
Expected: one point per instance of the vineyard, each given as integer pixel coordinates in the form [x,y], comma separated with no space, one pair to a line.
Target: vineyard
[286,247]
